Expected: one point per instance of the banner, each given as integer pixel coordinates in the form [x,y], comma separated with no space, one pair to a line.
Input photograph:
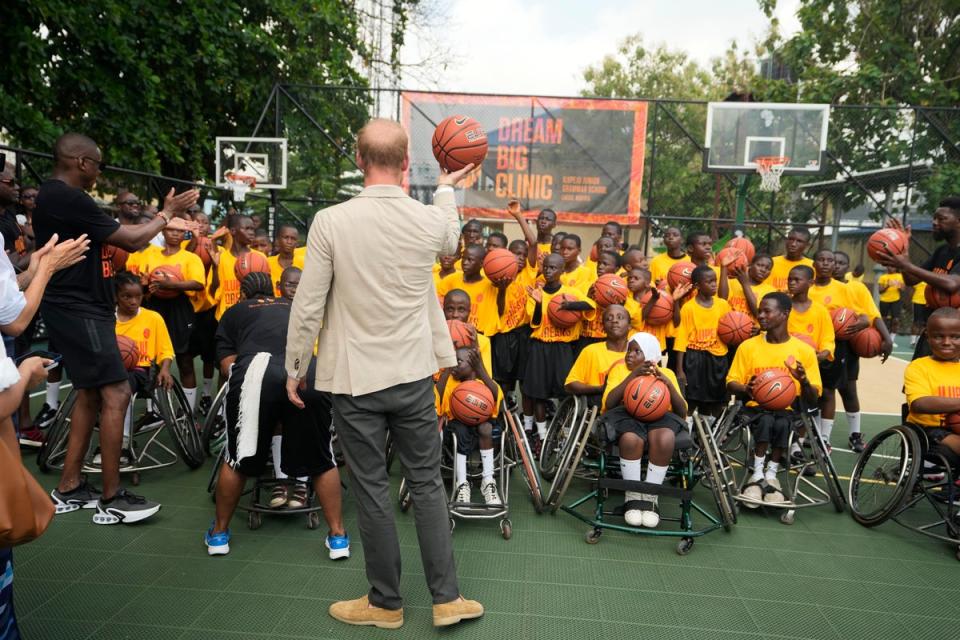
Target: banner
[581,157]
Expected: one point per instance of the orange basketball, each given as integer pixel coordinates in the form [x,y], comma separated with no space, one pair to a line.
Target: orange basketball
[843,318]
[952,421]
[117,256]
[166,273]
[500,264]
[459,141]
[471,402]
[866,343]
[129,352]
[250,262]
[610,289]
[662,310]
[594,253]
[937,298]
[203,250]
[774,389]
[744,245]
[646,398]
[559,317]
[460,333]
[740,259]
[887,240]
[680,274]
[802,337]
[735,327]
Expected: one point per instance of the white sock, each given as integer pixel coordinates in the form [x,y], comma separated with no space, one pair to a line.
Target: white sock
[303,479]
[528,423]
[191,395]
[826,428]
[656,473]
[913,341]
[461,470]
[150,404]
[486,460]
[772,468]
[53,394]
[757,468]
[794,448]
[893,336]
[128,421]
[275,451]
[853,419]
[542,430]
[631,470]
[207,385]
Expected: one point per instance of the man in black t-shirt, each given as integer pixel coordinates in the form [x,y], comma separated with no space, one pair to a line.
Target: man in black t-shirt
[78,309]
[942,269]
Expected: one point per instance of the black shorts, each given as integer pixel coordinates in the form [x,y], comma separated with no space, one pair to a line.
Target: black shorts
[770,427]
[890,309]
[204,336]
[618,421]
[468,438]
[671,354]
[833,373]
[178,315]
[919,314]
[88,345]
[509,351]
[706,377]
[852,366]
[139,379]
[306,448]
[548,364]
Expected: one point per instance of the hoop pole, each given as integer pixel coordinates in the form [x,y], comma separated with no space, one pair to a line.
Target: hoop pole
[743,181]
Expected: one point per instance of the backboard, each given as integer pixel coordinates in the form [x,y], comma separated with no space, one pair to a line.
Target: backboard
[263,158]
[740,132]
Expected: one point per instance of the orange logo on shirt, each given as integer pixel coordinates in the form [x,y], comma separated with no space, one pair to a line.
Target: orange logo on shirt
[146,333]
[827,299]
[810,328]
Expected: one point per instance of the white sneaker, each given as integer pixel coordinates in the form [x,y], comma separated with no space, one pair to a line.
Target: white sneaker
[490,495]
[632,513]
[462,494]
[772,494]
[753,493]
[650,516]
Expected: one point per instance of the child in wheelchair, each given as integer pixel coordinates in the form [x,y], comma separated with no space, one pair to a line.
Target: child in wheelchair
[633,437]
[469,438]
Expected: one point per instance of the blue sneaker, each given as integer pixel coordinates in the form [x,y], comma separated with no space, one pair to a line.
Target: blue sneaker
[218,544]
[339,546]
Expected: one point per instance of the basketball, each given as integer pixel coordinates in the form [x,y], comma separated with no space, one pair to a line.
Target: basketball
[203,250]
[866,343]
[734,327]
[739,263]
[774,389]
[744,245]
[887,240]
[250,262]
[952,421]
[843,318]
[610,289]
[802,337]
[129,352]
[117,256]
[459,141]
[166,273]
[500,264]
[661,312]
[594,253]
[559,317]
[680,274]
[937,298]
[471,402]
[460,333]
[646,398]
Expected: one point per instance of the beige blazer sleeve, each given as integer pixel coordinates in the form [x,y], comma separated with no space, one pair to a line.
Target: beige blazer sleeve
[445,200]
[309,305]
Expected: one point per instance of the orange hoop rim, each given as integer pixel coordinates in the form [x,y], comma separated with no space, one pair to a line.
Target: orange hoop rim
[765,163]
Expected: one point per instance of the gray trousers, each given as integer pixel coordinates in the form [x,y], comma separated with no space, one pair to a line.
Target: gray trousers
[408,411]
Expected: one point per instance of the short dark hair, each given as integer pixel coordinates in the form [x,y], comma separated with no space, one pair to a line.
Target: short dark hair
[783,300]
[289,271]
[124,278]
[518,243]
[233,221]
[821,252]
[700,273]
[759,256]
[805,270]
[614,223]
[952,203]
[611,254]
[501,236]
[472,222]
[693,235]
[842,253]
[802,231]
[455,293]
[548,210]
[945,313]
[574,237]
[286,225]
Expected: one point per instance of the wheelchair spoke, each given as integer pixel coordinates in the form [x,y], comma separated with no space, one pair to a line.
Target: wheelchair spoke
[884,474]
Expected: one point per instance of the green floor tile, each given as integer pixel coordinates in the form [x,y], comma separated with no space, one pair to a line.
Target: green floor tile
[88,601]
[154,606]
[243,613]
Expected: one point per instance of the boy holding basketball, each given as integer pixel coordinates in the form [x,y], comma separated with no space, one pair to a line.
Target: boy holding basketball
[634,436]
[775,349]
[484,296]
[456,306]
[700,250]
[589,372]
[224,287]
[809,320]
[643,299]
[745,290]
[469,438]
[660,264]
[286,256]
[795,245]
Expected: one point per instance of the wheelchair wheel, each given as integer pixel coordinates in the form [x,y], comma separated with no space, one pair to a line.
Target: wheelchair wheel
[884,475]
[178,416]
[54,447]
[719,474]
[557,434]
[526,462]
[214,424]
[215,474]
[825,465]
[568,465]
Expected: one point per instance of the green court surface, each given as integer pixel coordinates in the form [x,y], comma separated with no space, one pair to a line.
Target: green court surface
[825,577]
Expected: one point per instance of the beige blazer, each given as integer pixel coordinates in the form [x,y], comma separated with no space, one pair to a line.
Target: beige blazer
[367,292]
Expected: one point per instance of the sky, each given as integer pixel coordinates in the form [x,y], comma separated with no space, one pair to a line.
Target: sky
[541,47]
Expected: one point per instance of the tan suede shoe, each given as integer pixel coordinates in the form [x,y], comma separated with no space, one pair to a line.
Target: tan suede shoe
[360,612]
[453,612]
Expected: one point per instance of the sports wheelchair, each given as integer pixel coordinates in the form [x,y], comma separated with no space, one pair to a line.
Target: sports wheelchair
[812,483]
[578,445]
[176,418]
[511,449]
[888,480]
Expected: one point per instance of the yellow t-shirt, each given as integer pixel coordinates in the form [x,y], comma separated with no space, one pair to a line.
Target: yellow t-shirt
[580,278]
[637,325]
[515,300]
[276,269]
[593,364]
[483,301]
[150,333]
[894,283]
[781,271]
[925,377]
[738,300]
[486,352]
[816,324]
[619,372]
[228,293]
[849,277]
[756,355]
[833,295]
[546,331]
[660,265]
[698,327]
[443,404]
[190,266]
[863,300]
[300,253]
[919,293]
[135,259]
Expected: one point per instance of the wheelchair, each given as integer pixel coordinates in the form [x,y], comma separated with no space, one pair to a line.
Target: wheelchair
[176,418]
[213,433]
[812,483]
[586,451]
[888,480]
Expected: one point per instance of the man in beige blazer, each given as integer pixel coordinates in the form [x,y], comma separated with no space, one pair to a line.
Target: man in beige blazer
[367,291]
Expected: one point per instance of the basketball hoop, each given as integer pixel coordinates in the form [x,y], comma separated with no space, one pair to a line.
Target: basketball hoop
[240,183]
[770,169]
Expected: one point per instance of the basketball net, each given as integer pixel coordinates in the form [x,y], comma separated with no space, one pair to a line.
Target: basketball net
[770,169]
[240,184]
